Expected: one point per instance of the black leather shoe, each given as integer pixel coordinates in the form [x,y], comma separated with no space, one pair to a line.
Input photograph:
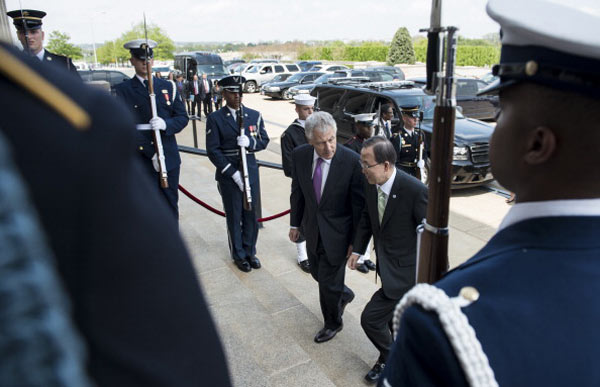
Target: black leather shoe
[373,376]
[362,268]
[254,262]
[368,263]
[305,266]
[327,334]
[243,265]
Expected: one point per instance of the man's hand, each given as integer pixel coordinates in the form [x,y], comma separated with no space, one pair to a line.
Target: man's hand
[158,123]
[237,177]
[352,261]
[349,252]
[243,141]
[294,234]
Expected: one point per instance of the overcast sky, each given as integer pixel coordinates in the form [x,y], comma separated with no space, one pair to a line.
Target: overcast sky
[260,20]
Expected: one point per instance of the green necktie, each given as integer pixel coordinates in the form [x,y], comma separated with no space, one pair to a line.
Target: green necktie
[381,196]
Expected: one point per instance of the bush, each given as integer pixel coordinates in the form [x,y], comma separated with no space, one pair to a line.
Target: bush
[465,55]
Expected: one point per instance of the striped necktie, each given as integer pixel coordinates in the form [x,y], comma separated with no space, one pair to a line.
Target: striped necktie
[381,199]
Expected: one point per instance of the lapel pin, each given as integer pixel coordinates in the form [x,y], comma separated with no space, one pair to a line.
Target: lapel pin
[393,196]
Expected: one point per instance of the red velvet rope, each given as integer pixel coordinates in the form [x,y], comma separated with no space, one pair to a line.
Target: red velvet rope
[214,210]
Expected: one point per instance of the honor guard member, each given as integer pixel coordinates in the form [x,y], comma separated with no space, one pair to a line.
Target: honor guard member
[291,138]
[28,23]
[223,142]
[134,294]
[172,118]
[530,295]
[364,124]
[406,142]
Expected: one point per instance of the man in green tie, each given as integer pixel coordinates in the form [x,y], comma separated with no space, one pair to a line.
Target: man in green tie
[396,203]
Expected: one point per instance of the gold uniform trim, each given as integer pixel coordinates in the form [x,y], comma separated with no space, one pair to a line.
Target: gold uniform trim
[24,76]
[27,17]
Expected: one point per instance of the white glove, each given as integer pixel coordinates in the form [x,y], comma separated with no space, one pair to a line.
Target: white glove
[243,141]
[158,123]
[155,162]
[421,164]
[237,177]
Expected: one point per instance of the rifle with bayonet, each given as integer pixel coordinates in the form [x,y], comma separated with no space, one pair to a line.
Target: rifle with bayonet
[421,144]
[158,147]
[432,261]
[243,160]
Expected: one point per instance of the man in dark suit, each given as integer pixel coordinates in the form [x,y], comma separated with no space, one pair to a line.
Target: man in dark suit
[171,119]
[396,204]
[530,295]
[133,290]
[28,23]
[326,200]
[194,93]
[223,143]
[206,95]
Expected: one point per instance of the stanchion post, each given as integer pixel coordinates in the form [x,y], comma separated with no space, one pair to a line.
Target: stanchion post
[195,133]
[257,200]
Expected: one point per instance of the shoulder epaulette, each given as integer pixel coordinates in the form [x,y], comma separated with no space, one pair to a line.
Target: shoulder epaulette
[24,76]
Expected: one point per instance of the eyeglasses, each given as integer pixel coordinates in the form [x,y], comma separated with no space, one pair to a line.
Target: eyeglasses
[364,165]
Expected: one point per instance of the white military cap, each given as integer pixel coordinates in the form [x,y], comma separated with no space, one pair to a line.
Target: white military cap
[559,47]
[137,48]
[364,118]
[304,100]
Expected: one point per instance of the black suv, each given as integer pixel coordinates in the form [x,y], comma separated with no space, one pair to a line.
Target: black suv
[470,165]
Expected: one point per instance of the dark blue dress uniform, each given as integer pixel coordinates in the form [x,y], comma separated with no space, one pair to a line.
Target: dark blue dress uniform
[536,311]
[222,131]
[169,108]
[134,293]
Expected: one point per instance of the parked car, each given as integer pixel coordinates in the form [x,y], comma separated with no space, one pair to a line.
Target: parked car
[306,65]
[230,62]
[238,68]
[264,61]
[328,68]
[113,77]
[348,74]
[482,107]
[397,73]
[278,78]
[489,78]
[262,73]
[470,164]
[162,70]
[278,90]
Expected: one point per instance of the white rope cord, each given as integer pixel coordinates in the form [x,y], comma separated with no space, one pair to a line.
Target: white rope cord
[462,336]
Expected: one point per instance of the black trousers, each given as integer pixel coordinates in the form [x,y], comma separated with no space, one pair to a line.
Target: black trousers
[207,105]
[171,194]
[197,102]
[376,321]
[332,291]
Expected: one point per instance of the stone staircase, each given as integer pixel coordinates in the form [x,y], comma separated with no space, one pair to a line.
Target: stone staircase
[267,318]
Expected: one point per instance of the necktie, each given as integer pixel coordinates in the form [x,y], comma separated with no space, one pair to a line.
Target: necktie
[146,83]
[381,196]
[318,179]
[205,86]
[387,130]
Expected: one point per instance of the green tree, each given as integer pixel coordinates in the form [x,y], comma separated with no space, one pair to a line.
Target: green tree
[401,48]
[165,48]
[59,44]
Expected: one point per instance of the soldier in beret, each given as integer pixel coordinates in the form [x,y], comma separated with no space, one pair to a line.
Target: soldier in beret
[28,23]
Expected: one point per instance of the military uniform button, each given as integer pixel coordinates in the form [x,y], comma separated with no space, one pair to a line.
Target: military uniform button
[141,148]
[469,293]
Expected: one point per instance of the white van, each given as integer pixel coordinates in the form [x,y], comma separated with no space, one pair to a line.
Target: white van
[257,75]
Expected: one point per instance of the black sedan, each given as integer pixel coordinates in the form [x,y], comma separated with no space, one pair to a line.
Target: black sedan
[473,106]
[278,89]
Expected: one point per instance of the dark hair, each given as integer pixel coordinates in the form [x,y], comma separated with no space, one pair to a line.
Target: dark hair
[382,149]
[386,106]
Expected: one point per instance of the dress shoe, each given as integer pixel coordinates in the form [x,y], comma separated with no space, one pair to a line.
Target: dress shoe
[304,265]
[254,262]
[242,264]
[362,268]
[373,376]
[368,263]
[327,334]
